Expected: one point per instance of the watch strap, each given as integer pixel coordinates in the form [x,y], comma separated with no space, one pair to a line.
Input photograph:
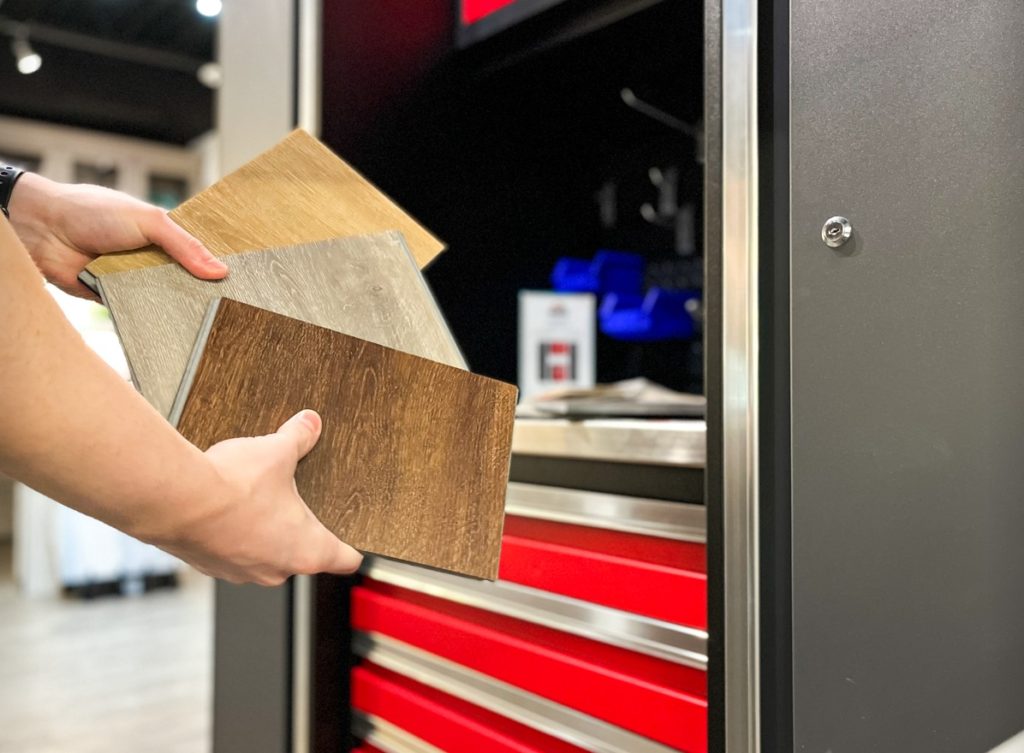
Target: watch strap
[8,177]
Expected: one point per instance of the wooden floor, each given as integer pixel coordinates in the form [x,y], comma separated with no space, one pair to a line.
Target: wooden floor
[114,674]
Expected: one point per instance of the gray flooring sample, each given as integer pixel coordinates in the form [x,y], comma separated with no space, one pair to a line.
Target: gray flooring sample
[366,286]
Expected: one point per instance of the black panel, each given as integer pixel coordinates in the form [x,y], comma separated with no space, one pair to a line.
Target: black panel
[330,707]
[252,669]
[714,480]
[654,481]
[776,533]
[499,150]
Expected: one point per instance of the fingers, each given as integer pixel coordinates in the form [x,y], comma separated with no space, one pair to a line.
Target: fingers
[302,432]
[181,246]
[332,555]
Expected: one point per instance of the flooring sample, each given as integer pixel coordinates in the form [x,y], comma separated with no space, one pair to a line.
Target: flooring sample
[296,192]
[366,286]
[414,456]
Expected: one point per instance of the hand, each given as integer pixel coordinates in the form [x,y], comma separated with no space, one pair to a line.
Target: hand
[261,531]
[64,227]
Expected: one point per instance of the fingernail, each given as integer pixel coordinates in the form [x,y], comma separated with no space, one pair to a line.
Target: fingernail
[312,419]
[214,263]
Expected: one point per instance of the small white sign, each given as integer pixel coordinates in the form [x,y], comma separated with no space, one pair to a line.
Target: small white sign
[556,341]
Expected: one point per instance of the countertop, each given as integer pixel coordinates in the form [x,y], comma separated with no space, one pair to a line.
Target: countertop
[671,442]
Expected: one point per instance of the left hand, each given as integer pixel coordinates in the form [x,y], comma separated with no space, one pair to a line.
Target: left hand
[64,227]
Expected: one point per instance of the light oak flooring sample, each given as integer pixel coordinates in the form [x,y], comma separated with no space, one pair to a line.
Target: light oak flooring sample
[414,456]
[366,286]
[296,192]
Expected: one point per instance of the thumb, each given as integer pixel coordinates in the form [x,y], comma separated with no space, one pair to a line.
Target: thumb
[335,556]
[182,246]
[302,432]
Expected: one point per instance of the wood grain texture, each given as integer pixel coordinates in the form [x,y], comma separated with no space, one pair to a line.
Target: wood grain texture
[365,286]
[414,456]
[296,192]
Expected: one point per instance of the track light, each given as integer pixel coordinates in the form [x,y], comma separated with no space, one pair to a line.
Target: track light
[28,60]
[210,75]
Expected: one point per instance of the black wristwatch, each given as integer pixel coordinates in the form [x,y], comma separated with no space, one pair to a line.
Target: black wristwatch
[8,177]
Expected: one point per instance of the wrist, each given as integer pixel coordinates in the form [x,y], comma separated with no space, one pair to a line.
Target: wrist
[32,201]
[175,520]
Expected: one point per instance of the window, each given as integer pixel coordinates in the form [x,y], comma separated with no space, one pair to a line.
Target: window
[167,192]
[100,175]
[24,161]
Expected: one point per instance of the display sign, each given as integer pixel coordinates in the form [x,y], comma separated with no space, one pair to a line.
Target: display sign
[556,341]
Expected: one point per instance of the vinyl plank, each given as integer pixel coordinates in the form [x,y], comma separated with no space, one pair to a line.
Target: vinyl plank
[413,460]
[366,286]
[296,192]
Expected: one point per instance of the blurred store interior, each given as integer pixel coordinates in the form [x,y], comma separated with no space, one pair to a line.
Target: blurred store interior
[105,643]
[557,148]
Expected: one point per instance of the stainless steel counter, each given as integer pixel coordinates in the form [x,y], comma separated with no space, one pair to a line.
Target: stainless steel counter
[679,443]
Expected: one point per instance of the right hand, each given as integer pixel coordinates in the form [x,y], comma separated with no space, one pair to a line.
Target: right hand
[260,530]
[64,227]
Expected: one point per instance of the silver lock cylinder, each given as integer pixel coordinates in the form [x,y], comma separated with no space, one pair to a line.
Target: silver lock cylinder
[836,231]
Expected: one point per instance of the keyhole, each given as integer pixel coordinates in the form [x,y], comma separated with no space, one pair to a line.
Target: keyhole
[836,231]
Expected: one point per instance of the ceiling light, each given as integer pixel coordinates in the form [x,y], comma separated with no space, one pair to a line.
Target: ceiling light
[209,8]
[29,61]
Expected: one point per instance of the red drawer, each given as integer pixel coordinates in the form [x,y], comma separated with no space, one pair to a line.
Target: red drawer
[451,724]
[655,698]
[655,577]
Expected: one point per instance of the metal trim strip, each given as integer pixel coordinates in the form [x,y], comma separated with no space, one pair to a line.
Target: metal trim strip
[390,738]
[740,377]
[501,698]
[307,83]
[645,635]
[615,512]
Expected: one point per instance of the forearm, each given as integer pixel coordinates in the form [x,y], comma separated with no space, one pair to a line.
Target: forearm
[76,431]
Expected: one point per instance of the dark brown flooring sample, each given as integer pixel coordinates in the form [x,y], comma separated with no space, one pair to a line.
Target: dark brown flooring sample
[413,460]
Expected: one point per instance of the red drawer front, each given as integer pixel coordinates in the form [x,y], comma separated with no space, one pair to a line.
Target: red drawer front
[451,724]
[655,698]
[366,748]
[645,575]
